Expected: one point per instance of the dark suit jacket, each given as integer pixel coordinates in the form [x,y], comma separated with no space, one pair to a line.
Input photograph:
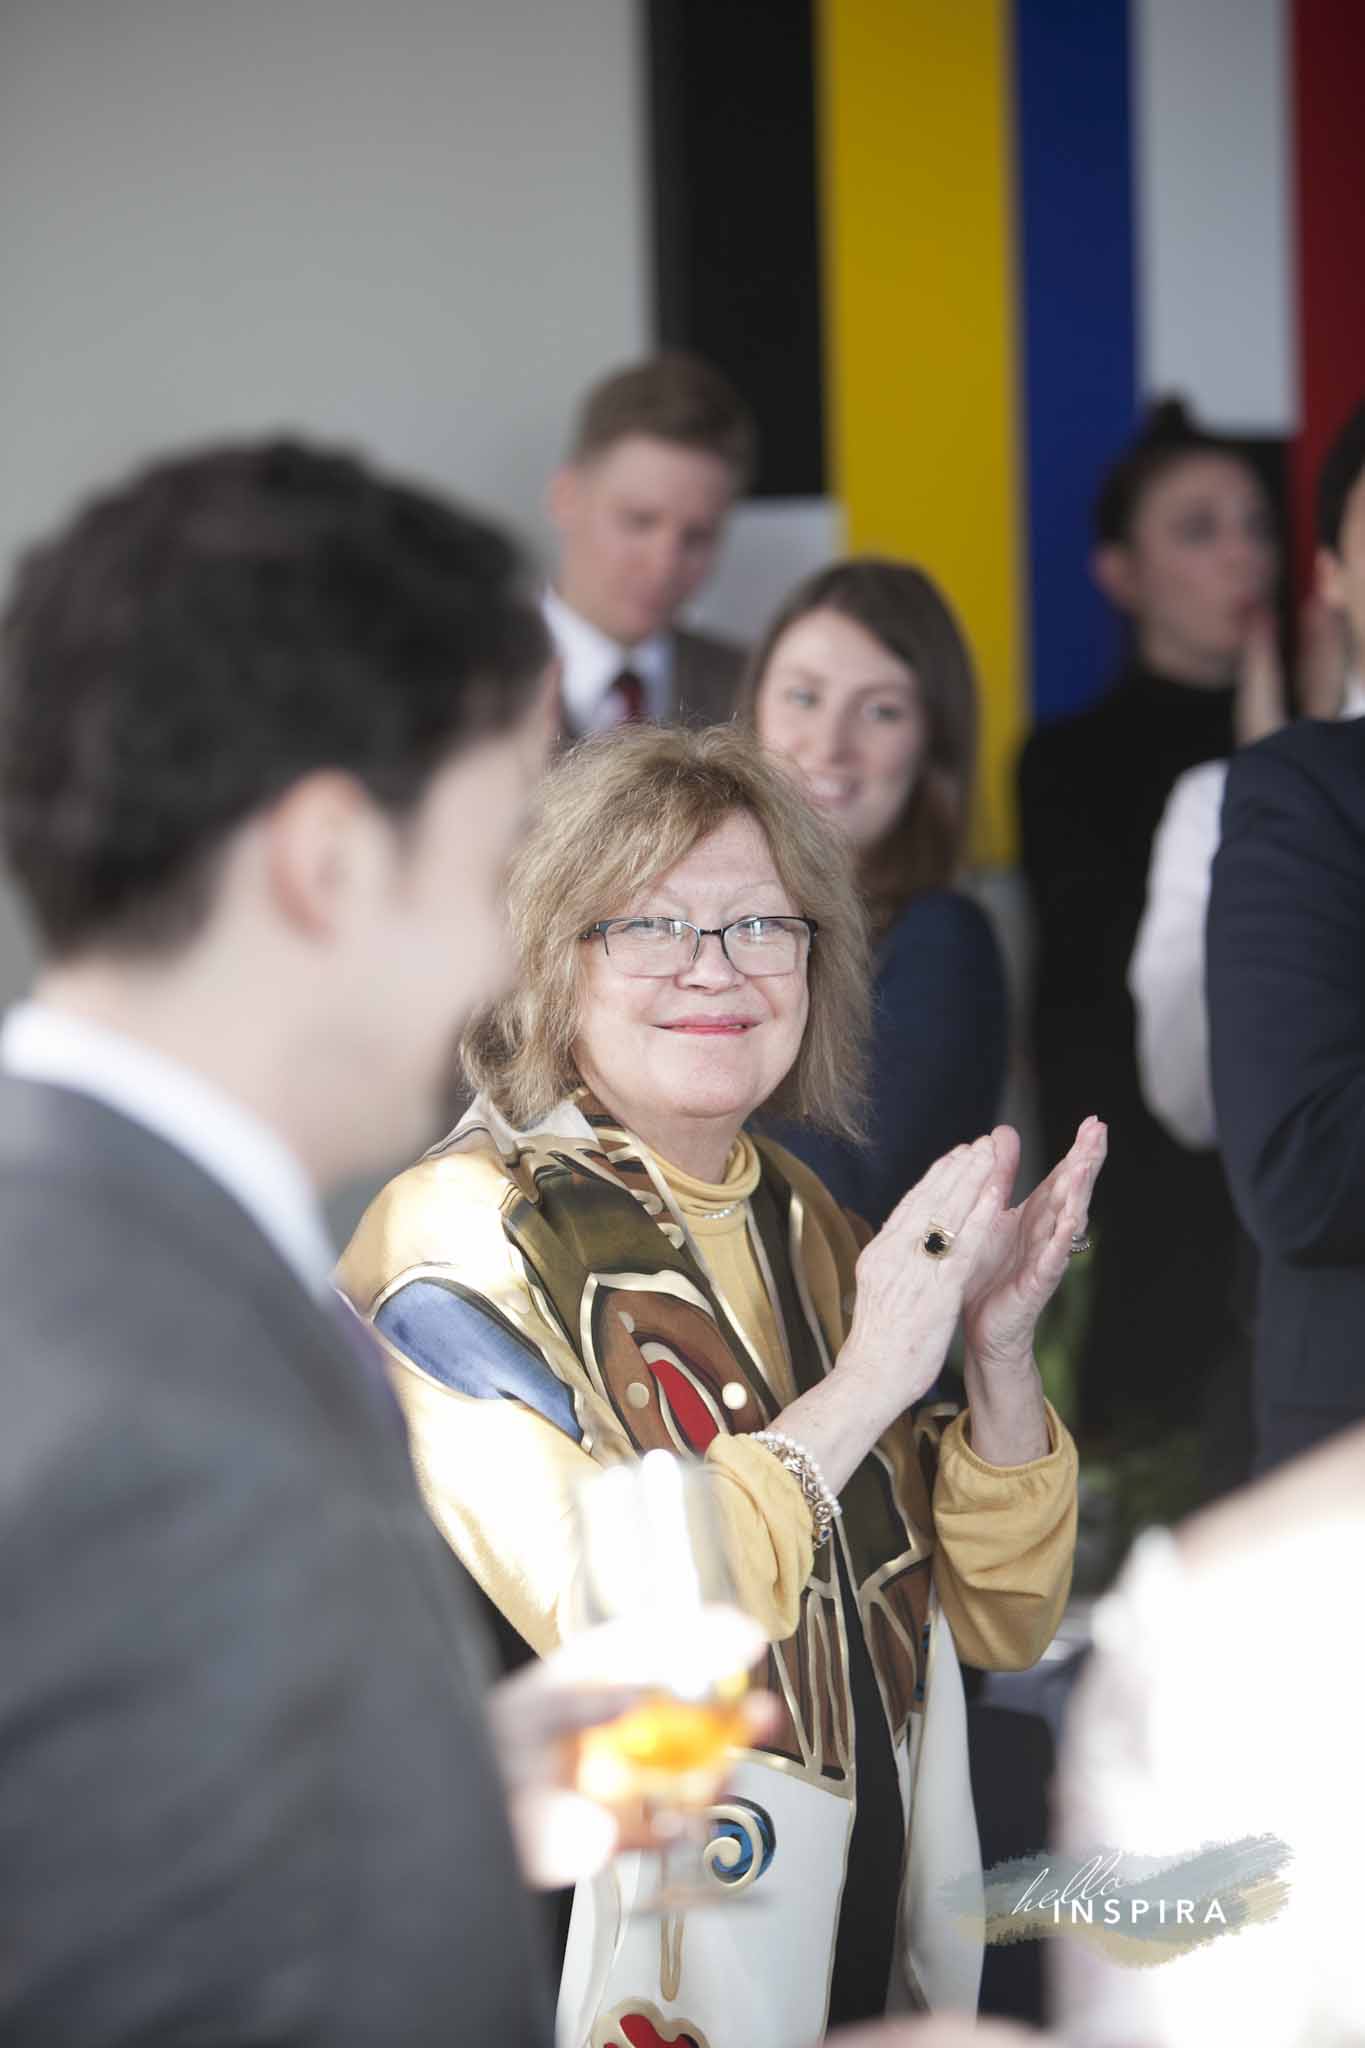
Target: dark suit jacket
[706,673]
[1286,973]
[246,1793]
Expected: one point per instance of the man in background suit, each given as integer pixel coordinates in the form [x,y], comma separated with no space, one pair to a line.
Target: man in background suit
[660,452]
[1286,988]
[268,725]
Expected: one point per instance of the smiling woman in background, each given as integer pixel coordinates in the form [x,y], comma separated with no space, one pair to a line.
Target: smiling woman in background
[864,684]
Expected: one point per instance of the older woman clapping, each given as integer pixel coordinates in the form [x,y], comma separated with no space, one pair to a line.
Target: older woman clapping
[600,1260]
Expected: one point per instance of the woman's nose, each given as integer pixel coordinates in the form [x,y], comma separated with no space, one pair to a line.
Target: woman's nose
[1249,555]
[712,967]
[829,742]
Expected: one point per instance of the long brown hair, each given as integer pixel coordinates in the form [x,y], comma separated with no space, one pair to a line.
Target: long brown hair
[903,608]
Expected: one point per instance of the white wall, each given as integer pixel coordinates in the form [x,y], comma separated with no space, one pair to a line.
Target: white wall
[1210,116]
[413,225]
[771,544]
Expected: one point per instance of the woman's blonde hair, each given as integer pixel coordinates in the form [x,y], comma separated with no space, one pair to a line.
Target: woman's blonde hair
[617,812]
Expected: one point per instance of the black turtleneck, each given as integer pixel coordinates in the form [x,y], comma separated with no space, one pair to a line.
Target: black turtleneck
[1092,790]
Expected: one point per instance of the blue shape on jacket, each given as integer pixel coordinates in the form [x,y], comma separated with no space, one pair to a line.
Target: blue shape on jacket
[463,1346]
[760,1833]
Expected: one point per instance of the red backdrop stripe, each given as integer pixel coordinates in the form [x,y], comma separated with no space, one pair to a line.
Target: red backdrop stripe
[1328,63]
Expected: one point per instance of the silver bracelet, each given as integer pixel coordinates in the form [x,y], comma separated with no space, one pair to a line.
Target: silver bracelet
[820,1498]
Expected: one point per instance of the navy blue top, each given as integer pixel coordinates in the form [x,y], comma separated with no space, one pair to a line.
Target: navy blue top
[940,1036]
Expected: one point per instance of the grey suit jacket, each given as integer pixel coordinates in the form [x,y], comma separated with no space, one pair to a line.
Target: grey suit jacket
[706,673]
[246,1793]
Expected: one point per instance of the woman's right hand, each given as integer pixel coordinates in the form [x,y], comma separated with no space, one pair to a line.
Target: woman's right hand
[1323,662]
[1324,659]
[906,1310]
[1261,705]
[908,1302]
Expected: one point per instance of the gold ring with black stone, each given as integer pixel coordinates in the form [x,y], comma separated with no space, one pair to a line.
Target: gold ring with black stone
[937,1240]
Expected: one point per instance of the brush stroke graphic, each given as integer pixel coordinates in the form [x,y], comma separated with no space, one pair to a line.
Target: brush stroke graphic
[1141,1910]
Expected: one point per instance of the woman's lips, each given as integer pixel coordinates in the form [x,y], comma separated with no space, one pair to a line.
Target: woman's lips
[719,1027]
[828,792]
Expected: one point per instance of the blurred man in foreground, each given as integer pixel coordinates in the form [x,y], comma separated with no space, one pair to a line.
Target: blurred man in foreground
[268,727]
[660,452]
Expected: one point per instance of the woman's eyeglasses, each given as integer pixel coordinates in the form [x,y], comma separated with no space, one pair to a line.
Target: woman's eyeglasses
[658,947]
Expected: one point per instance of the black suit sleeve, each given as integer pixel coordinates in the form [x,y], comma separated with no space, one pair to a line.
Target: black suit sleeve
[1286,985]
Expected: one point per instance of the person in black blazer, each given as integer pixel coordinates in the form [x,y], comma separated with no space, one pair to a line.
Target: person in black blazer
[1286,986]
[267,727]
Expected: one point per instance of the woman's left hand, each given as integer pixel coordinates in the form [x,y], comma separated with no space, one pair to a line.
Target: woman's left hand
[1018,1269]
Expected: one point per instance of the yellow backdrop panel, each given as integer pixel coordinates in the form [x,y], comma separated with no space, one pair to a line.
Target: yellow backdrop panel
[922,387]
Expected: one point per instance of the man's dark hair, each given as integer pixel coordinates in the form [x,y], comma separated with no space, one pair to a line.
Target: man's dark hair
[1340,472]
[672,397]
[220,626]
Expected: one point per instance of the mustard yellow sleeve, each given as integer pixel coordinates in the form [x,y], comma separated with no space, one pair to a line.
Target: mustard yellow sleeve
[501,1482]
[769,1537]
[1006,1540]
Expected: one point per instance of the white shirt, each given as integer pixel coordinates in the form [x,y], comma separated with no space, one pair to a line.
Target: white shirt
[1166,972]
[591,663]
[249,1160]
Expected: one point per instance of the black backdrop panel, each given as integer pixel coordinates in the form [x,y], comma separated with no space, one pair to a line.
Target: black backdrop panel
[736,233]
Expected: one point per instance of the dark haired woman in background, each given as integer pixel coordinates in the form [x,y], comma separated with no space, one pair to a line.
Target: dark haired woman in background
[1185,548]
[864,683]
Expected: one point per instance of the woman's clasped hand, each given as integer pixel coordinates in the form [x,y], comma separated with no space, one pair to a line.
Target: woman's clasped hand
[954,1247]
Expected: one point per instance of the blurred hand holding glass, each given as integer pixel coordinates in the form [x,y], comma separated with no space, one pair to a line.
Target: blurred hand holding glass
[657,1597]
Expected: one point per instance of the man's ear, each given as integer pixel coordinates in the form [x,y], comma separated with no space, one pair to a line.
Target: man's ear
[324,848]
[1111,567]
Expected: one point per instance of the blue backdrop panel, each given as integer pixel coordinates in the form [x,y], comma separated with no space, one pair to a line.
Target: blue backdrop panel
[1074,139]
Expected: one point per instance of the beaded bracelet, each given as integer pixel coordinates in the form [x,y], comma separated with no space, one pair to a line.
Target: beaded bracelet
[821,1499]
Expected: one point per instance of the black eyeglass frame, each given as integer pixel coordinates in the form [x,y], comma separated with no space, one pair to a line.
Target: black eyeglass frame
[700,932]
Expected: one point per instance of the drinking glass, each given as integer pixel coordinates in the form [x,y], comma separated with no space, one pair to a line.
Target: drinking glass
[656,1593]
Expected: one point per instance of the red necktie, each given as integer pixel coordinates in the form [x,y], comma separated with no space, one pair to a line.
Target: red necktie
[628,693]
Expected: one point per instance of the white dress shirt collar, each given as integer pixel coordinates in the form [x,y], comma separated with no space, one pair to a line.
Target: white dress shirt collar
[39,1042]
[591,663]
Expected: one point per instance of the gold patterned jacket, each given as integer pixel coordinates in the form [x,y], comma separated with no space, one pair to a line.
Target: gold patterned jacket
[547,1310]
